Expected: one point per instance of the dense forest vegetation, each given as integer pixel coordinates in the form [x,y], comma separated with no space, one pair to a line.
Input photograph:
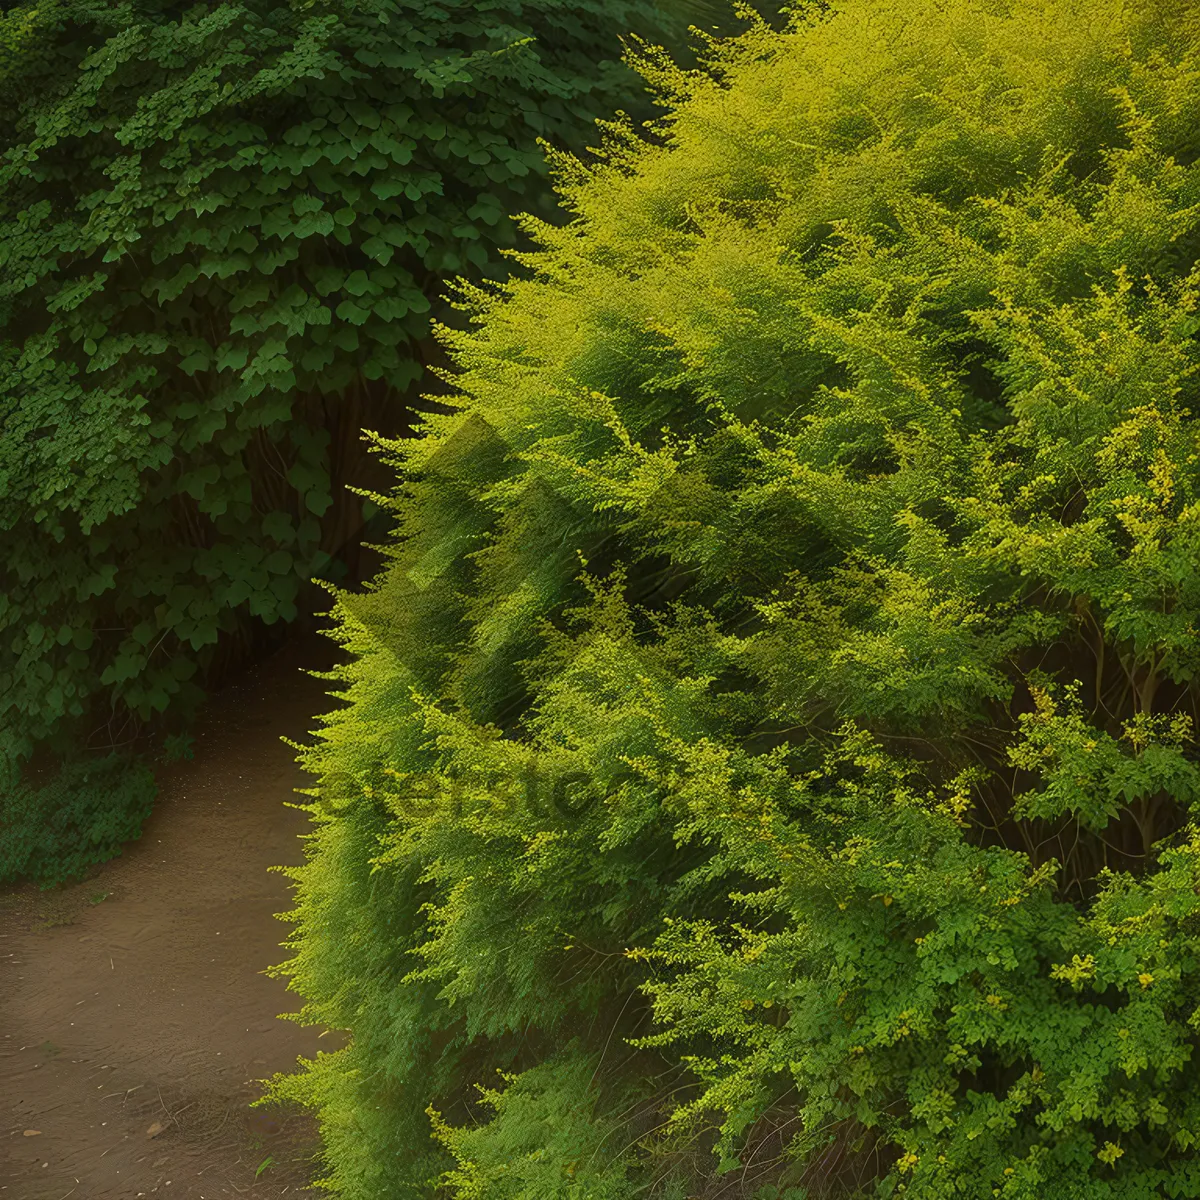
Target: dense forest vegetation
[765,765]
[223,231]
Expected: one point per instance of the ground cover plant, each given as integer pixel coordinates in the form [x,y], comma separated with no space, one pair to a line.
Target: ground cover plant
[767,762]
[223,232]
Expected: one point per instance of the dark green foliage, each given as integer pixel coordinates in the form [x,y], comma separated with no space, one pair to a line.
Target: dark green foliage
[222,230]
[58,830]
[828,500]
[22,31]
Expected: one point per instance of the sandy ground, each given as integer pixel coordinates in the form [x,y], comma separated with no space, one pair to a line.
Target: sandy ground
[134,1017]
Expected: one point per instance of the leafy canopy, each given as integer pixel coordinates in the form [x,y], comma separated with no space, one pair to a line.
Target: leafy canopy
[223,229]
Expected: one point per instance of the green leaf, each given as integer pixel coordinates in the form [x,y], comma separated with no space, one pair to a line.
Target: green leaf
[317,502]
[232,357]
[197,361]
[354,313]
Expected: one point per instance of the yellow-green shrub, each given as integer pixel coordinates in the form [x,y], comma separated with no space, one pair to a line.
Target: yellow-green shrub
[827,499]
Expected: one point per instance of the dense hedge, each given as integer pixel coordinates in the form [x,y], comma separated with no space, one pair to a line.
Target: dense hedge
[768,764]
[222,228]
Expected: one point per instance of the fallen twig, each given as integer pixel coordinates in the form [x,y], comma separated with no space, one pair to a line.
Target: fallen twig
[164,1107]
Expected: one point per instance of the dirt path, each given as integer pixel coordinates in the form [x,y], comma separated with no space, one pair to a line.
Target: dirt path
[135,999]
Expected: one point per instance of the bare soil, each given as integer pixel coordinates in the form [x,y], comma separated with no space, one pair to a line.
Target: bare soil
[135,1021]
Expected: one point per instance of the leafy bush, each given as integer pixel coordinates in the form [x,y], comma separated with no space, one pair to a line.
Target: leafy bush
[222,228]
[826,500]
[21,27]
[63,827]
